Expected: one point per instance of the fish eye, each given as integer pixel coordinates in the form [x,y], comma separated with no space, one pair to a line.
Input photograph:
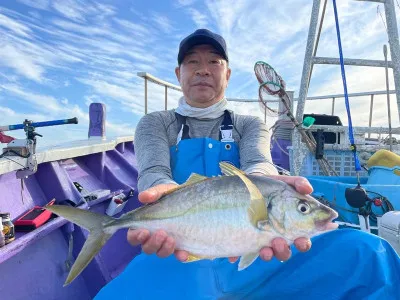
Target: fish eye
[303,207]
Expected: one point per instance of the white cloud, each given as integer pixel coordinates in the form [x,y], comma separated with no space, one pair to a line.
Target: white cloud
[5,111]
[82,29]
[39,4]
[20,62]
[133,28]
[186,2]
[162,22]
[80,11]
[123,95]
[14,26]
[200,19]
[35,14]
[40,102]
[70,9]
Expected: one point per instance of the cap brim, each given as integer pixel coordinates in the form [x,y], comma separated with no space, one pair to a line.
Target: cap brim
[200,40]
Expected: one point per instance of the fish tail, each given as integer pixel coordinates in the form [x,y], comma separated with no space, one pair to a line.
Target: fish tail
[99,234]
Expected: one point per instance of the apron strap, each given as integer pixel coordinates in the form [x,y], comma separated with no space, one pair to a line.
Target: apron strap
[183,128]
[226,128]
[225,134]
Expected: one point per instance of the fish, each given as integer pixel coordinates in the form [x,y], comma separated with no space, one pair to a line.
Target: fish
[230,215]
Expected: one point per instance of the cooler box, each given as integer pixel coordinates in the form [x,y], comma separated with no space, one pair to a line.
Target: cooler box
[389,229]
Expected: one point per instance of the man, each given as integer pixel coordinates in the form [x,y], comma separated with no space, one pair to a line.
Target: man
[203,74]
[196,136]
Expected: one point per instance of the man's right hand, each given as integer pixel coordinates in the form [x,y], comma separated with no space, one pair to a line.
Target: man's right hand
[159,243]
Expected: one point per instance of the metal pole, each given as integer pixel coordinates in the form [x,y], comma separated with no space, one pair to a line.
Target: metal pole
[388,98]
[145,96]
[371,107]
[333,105]
[166,97]
[298,155]
[307,61]
[394,45]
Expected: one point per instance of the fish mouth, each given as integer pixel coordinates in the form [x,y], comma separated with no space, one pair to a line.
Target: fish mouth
[327,224]
[330,226]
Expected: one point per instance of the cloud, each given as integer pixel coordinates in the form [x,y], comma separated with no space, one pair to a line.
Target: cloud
[200,19]
[186,2]
[123,95]
[133,28]
[162,22]
[35,99]
[39,4]
[20,62]
[5,111]
[79,11]
[14,26]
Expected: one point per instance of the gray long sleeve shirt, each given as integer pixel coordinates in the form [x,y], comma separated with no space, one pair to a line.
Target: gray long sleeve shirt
[157,132]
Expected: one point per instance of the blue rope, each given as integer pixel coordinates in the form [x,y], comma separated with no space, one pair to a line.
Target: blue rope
[351,136]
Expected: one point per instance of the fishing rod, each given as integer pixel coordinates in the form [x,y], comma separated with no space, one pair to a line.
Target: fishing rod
[27,123]
[26,148]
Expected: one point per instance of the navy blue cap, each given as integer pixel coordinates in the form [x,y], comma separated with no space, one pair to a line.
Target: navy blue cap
[199,37]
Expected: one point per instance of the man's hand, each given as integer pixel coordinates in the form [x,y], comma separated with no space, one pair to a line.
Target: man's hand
[159,243]
[280,249]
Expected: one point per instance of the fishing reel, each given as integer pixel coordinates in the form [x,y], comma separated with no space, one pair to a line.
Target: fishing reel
[356,197]
[26,148]
[23,147]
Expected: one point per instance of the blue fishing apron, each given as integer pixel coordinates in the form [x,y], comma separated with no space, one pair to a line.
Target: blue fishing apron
[343,264]
[202,155]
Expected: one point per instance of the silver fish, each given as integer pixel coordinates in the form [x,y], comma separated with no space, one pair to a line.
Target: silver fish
[225,216]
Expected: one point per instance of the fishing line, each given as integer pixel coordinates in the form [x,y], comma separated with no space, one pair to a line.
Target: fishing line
[351,136]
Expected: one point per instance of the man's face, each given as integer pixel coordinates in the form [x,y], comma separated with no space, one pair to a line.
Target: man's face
[203,76]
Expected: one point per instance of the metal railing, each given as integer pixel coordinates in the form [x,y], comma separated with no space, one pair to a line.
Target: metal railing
[167,85]
[148,77]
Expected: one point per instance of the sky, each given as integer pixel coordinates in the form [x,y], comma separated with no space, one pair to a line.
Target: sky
[58,56]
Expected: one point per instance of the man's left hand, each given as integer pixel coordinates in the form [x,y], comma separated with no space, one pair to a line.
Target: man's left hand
[280,249]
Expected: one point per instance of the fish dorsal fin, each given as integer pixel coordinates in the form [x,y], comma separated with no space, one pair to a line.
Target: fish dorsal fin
[257,209]
[193,178]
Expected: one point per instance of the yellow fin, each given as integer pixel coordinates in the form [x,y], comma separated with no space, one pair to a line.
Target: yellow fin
[257,210]
[193,178]
[230,170]
[193,258]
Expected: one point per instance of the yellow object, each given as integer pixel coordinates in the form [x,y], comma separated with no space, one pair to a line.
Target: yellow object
[192,258]
[385,158]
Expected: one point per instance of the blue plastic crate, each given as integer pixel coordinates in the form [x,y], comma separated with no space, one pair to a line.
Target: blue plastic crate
[342,162]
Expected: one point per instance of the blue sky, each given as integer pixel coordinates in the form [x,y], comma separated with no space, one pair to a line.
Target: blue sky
[58,56]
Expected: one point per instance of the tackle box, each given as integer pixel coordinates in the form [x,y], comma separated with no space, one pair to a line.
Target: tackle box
[389,229]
